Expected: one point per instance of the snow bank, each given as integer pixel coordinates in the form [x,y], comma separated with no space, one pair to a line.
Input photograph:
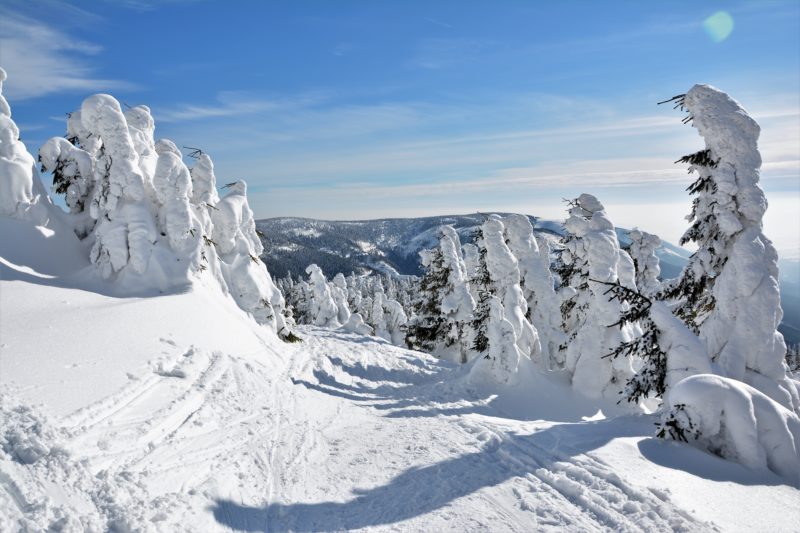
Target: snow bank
[735,421]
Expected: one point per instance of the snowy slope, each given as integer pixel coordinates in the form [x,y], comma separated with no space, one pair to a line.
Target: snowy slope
[176,412]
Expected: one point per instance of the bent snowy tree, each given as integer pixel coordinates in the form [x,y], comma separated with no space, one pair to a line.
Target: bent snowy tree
[728,292]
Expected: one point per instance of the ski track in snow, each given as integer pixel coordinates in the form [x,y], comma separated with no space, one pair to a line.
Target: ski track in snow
[347,433]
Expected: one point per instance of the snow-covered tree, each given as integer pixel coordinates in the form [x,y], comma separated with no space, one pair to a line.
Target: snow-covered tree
[389,319]
[322,307]
[125,232]
[793,357]
[355,324]
[500,304]
[668,350]
[234,236]
[501,362]
[172,186]
[736,421]
[141,128]
[427,327]
[299,298]
[481,283]
[353,292]
[504,272]
[17,196]
[444,309]
[590,258]
[204,181]
[338,287]
[471,255]
[73,170]
[533,256]
[643,252]
[729,290]
[133,200]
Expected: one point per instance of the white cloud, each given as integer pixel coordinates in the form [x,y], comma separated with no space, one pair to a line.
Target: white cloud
[41,60]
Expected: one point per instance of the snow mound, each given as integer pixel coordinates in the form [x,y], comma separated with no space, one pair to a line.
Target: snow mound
[736,421]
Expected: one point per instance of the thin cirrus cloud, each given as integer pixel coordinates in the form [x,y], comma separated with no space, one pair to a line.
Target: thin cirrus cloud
[41,60]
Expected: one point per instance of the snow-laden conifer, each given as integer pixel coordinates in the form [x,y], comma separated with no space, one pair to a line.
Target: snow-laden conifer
[444,306]
[590,258]
[338,288]
[501,362]
[322,307]
[736,421]
[17,167]
[505,284]
[172,186]
[729,290]
[125,232]
[388,318]
[533,256]
[239,249]
[643,252]
[665,349]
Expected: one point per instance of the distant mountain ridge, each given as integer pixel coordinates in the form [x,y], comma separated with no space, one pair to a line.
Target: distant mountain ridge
[389,245]
[392,246]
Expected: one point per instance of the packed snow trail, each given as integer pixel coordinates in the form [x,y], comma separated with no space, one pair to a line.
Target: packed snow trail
[416,452]
[199,420]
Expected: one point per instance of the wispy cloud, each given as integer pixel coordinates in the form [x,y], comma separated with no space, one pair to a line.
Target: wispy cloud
[435,54]
[41,60]
[438,23]
[228,104]
[148,5]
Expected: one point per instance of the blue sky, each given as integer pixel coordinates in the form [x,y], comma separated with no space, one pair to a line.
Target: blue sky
[370,109]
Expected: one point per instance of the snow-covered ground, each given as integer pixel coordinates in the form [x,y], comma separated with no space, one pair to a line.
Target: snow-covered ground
[176,412]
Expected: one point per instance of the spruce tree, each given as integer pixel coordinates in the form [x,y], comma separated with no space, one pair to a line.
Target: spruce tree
[728,293]
[427,325]
[482,284]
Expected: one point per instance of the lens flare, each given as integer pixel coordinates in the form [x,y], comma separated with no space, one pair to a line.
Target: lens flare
[719,26]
